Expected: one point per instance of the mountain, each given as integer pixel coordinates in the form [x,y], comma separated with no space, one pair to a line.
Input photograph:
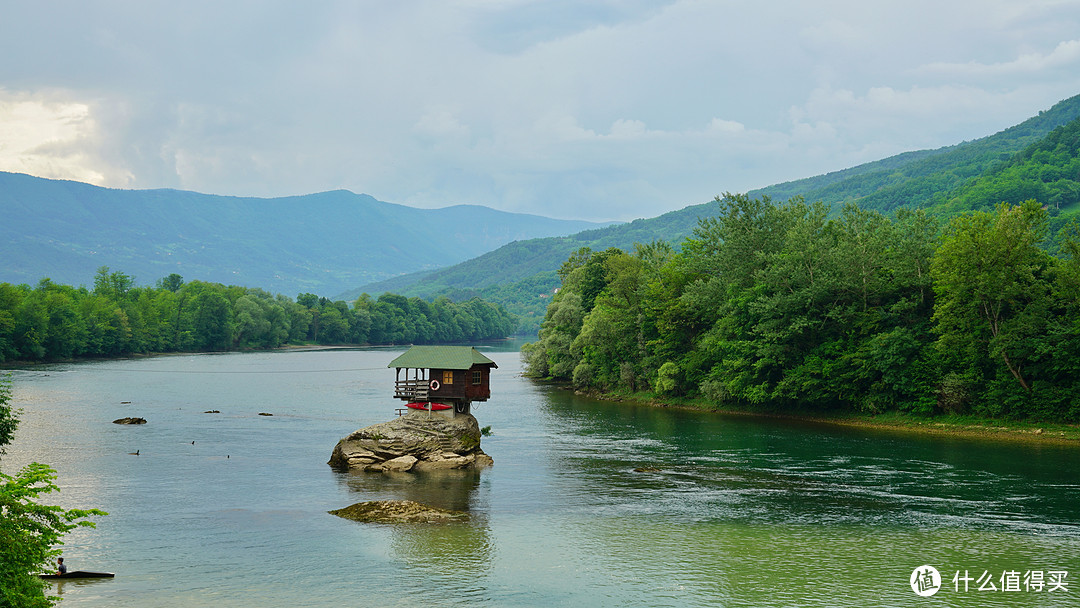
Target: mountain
[521,275]
[523,259]
[945,181]
[321,243]
[924,178]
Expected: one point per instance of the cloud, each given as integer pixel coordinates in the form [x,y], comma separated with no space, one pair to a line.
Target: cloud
[628,129]
[719,125]
[47,137]
[441,123]
[1066,55]
[573,108]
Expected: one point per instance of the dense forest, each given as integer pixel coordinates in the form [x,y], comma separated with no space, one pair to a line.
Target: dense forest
[116,317]
[788,307]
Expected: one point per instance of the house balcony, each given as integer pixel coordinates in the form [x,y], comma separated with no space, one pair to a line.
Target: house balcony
[412,390]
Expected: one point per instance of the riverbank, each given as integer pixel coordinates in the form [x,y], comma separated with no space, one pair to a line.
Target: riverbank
[952,425]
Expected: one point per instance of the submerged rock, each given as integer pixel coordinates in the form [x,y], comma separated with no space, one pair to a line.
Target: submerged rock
[417,441]
[397,511]
[130,421]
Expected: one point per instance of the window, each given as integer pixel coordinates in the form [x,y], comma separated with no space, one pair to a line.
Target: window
[448,376]
[477,377]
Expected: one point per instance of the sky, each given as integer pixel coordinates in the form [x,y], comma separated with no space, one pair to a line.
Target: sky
[579,109]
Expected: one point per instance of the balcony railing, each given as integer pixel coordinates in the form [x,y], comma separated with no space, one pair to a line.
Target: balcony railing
[411,390]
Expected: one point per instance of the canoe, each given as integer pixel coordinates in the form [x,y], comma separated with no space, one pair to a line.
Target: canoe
[434,406]
[79,574]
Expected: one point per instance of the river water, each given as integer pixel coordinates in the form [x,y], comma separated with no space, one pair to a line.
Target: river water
[230,509]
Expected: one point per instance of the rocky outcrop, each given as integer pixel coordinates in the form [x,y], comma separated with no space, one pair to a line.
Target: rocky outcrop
[397,511]
[417,441]
[130,421]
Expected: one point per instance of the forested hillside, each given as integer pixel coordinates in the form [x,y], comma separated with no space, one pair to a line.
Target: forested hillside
[1047,171]
[521,275]
[923,178]
[785,307]
[321,243]
[115,318]
[1035,159]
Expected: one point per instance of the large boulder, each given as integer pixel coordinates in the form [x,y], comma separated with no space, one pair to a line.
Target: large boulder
[417,441]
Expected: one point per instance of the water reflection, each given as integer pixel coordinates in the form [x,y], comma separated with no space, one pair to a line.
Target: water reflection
[704,467]
[458,549]
[60,586]
[455,489]
[451,549]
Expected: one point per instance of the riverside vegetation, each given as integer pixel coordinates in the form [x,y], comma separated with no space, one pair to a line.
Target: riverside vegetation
[116,318]
[784,308]
[29,531]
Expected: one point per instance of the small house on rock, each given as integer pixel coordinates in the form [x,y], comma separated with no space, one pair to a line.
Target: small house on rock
[442,379]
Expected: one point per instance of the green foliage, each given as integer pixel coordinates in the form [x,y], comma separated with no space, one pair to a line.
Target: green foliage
[1007,314]
[8,420]
[29,532]
[931,178]
[787,307]
[117,318]
[667,378]
[1047,170]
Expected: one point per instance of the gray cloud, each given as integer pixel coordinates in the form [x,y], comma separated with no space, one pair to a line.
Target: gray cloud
[592,109]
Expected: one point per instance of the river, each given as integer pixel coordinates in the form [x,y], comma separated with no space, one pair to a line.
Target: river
[229,509]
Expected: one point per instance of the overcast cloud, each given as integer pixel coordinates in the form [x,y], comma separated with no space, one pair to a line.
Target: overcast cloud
[584,109]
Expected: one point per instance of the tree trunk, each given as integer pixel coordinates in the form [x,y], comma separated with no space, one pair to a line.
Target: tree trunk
[1015,372]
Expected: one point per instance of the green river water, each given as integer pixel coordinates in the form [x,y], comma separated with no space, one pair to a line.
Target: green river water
[740,511]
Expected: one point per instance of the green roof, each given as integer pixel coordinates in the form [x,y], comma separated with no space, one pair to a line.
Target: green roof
[441,357]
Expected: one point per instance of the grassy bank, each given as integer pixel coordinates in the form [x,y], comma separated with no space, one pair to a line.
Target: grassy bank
[954,425]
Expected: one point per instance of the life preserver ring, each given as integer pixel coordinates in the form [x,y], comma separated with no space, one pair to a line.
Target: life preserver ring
[434,385]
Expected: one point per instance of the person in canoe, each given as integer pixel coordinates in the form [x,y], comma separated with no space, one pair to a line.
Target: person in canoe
[61,568]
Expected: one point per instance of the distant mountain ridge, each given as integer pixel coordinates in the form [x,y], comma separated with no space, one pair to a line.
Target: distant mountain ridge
[522,259]
[321,243]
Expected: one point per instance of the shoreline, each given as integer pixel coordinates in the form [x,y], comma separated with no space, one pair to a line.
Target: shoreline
[23,363]
[971,427]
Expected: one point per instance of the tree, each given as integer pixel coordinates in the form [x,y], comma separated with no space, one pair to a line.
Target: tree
[9,302]
[114,285]
[8,420]
[29,531]
[213,314]
[992,291]
[335,326]
[252,326]
[172,283]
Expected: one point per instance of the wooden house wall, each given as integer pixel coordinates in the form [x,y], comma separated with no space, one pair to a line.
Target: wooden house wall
[478,392]
[462,387]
